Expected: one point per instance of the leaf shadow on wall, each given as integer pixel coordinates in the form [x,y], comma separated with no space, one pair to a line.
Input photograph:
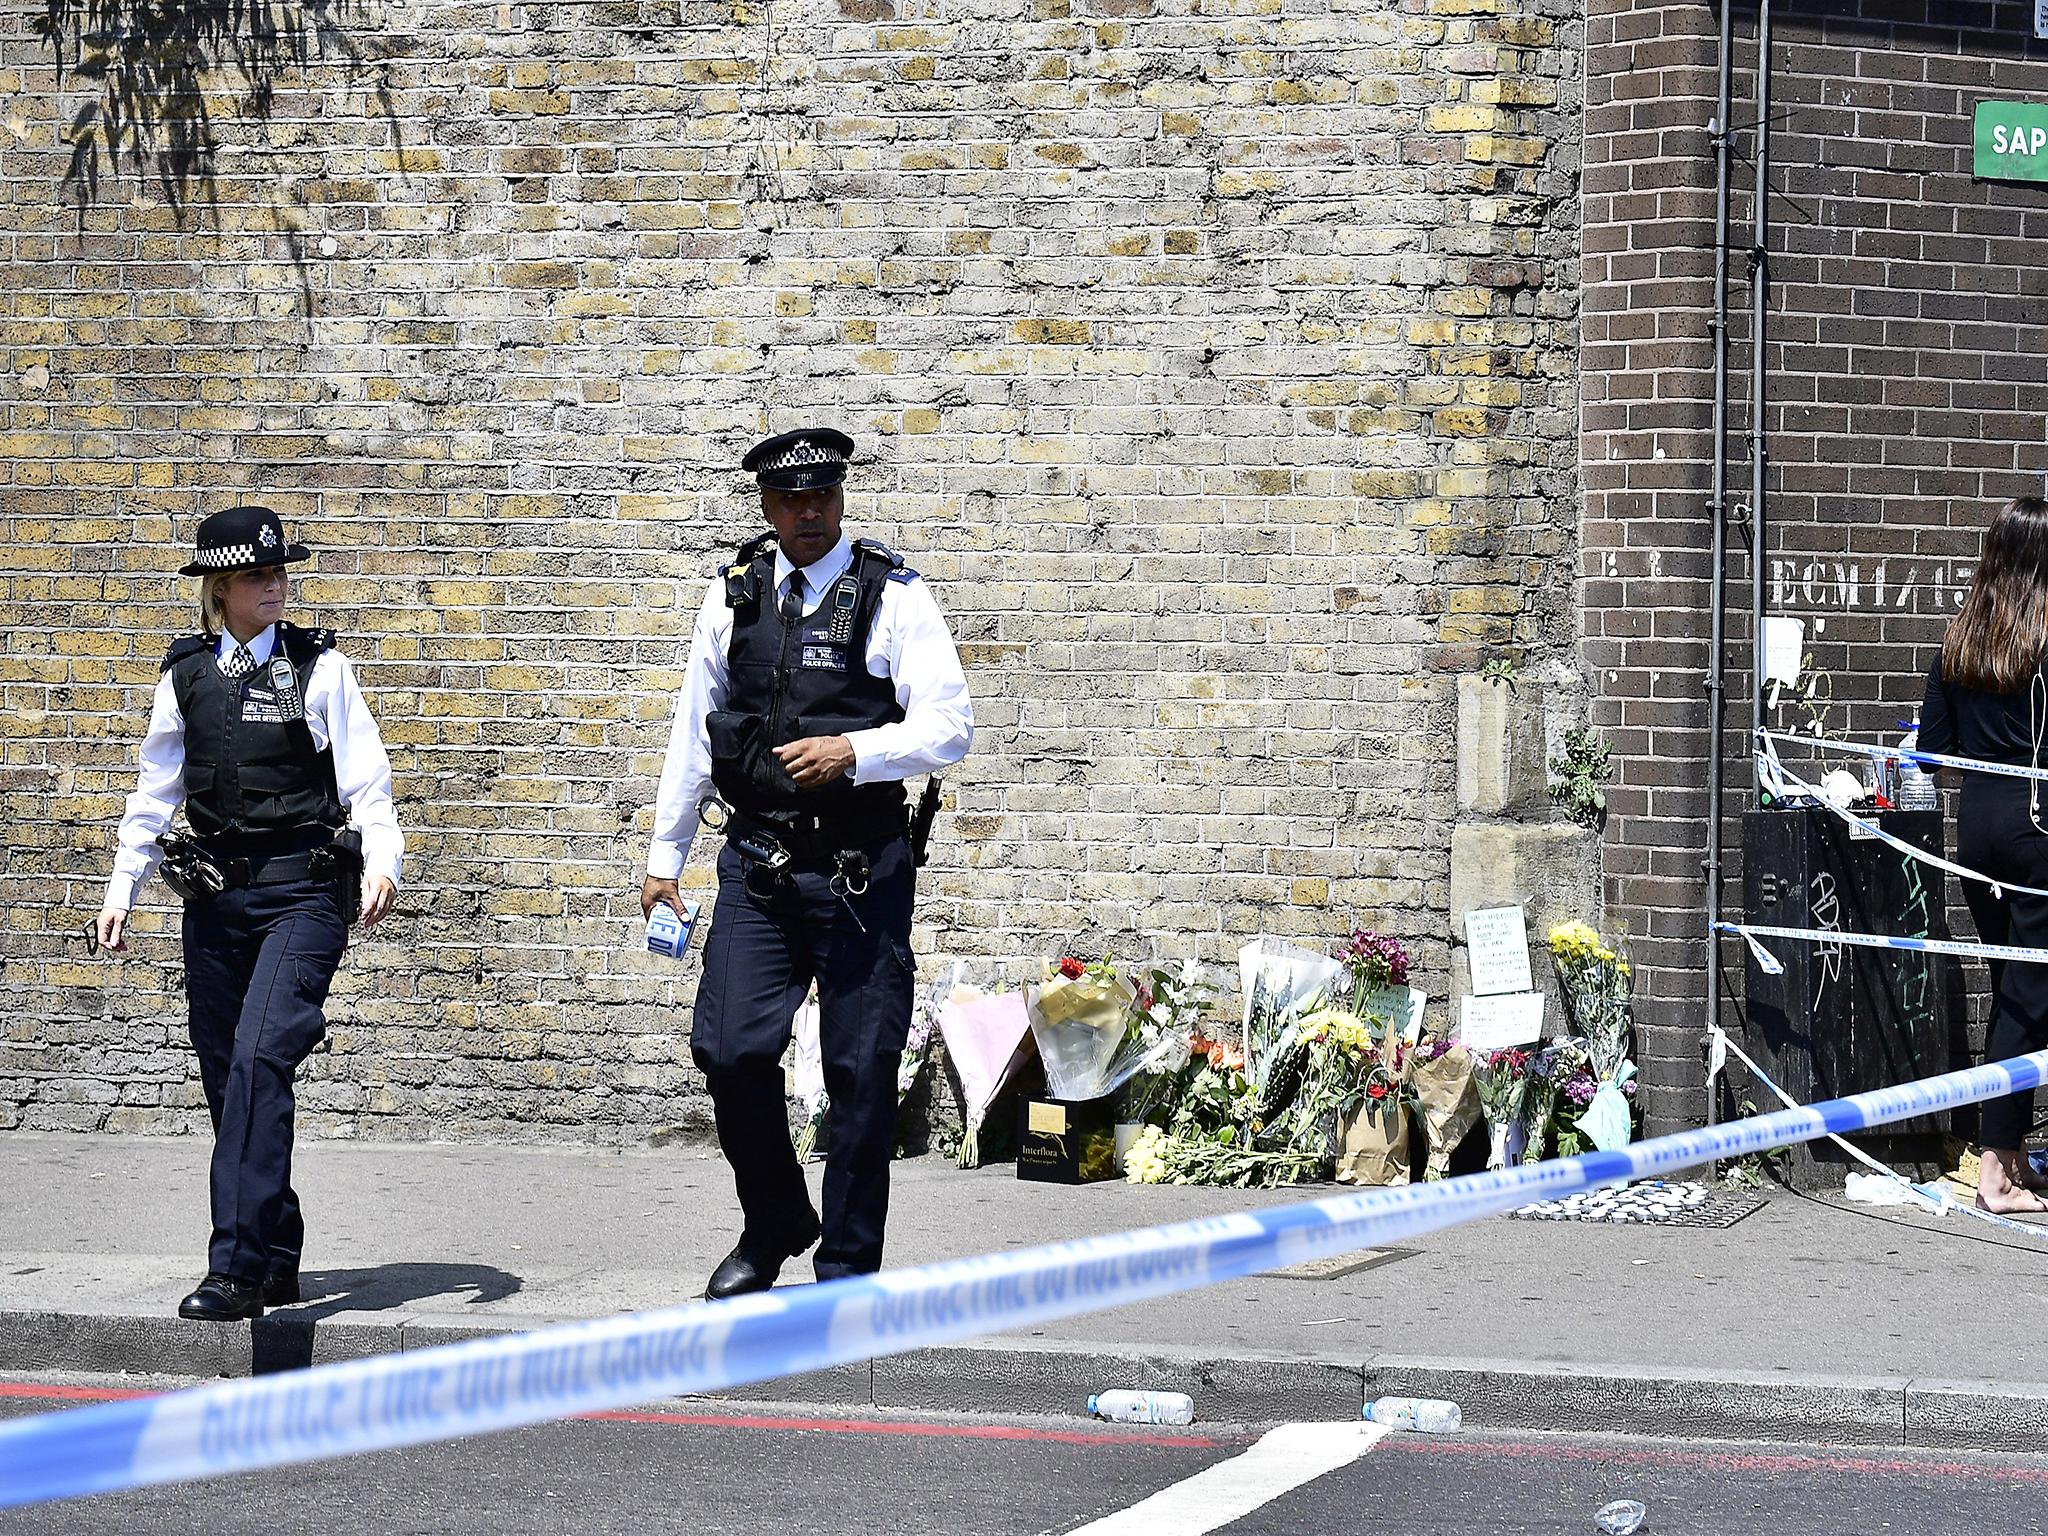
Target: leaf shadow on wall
[158,69]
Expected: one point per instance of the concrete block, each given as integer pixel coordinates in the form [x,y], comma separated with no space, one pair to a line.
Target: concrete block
[1552,869]
[1503,746]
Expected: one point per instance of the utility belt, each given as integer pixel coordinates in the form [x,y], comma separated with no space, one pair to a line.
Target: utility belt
[810,841]
[772,849]
[195,871]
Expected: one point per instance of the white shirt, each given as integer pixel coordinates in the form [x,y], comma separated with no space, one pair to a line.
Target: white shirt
[907,643]
[337,715]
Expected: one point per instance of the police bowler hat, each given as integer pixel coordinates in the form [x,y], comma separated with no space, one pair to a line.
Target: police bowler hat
[245,538]
[810,459]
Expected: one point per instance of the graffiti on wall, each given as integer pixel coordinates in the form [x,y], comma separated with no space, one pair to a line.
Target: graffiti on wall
[1894,586]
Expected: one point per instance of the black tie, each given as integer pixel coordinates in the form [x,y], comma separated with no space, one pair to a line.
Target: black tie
[793,601]
[239,664]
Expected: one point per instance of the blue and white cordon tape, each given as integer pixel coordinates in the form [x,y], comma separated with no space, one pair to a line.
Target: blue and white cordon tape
[473,1388]
[1910,755]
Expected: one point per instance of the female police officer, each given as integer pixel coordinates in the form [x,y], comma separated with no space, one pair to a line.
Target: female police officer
[260,731]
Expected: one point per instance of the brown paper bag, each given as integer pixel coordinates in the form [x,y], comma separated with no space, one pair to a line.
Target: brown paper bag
[1448,1101]
[1373,1150]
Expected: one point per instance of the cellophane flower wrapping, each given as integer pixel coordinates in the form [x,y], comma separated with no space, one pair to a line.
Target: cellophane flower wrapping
[1502,1079]
[1170,1011]
[1283,984]
[988,1036]
[807,1069]
[1080,1017]
[1597,980]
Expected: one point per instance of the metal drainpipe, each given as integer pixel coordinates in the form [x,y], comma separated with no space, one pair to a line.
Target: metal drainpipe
[1759,297]
[1718,510]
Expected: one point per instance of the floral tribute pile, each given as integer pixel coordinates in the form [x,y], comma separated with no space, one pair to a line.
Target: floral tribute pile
[1325,1072]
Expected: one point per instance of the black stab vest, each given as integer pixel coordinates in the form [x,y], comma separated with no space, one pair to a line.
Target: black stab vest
[787,682]
[243,773]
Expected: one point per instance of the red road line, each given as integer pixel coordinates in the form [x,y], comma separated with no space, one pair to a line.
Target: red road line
[34,1389]
[39,1390]
[1715,1461]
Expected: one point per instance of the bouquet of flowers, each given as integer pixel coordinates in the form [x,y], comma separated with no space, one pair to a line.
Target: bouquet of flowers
[808,1070]
[1215,1095]
[1503,1083]
[1157,1157]
[1596,981]
[1167,1015]
[1576,1096]
[1085,1019]
[1282,984]
[1372,1132]
[987,1035]
[1446,1097]
[1551,1070]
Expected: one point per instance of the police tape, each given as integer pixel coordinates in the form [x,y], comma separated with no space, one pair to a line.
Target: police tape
[484,1385]
[1794,787]
[1754,933]
[1936,1197]
[1911,755]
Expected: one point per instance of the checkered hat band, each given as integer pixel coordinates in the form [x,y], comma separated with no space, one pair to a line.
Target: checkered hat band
[227,554]
[800,455]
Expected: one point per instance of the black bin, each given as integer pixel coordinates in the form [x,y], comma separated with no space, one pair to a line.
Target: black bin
[1843,1018]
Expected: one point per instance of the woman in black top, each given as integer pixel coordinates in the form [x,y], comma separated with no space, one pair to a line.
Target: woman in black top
[1987,698]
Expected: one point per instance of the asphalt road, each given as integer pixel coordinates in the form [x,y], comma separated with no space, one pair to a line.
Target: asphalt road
[703,1469]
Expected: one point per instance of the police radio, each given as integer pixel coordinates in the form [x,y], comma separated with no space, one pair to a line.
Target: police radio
[284,682]
[845,598]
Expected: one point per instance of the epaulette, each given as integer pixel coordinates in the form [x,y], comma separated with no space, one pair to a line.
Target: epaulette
[305,645]
[902,573]
[871,547]
[191,645]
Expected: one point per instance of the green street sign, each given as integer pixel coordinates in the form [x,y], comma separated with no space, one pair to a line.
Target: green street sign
[2011,141]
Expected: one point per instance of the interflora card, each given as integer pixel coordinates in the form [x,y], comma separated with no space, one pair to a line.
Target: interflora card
[1500,1021]
[1498,941]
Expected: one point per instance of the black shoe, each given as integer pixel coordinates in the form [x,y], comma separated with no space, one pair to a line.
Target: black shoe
[282,1289]
[223,1299]
[740,1273]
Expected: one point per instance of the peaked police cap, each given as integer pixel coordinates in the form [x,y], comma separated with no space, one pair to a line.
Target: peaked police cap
[244,538]
[809,459]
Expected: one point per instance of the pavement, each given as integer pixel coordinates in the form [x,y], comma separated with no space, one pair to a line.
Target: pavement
[1807,1320]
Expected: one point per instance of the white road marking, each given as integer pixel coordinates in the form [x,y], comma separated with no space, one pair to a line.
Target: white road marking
[1284,1459]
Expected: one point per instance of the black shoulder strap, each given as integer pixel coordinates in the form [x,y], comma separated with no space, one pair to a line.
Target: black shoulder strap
[191,645]
[873,565]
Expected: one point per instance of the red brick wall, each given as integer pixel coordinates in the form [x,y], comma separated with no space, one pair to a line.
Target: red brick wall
[1907,358]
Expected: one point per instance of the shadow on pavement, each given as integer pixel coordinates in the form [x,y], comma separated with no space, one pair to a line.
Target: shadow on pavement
[284,1340]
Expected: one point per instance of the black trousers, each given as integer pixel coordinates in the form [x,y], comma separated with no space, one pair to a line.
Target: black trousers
[258,962]
[759,960]
[1995,835]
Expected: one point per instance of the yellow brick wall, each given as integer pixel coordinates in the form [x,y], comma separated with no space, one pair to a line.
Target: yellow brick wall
[1215,364]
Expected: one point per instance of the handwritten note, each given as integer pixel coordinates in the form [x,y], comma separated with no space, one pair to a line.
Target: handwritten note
[1498,938]
[1497,1022]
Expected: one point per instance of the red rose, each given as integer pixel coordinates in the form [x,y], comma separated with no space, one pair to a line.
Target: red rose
[1072,969]
[1376,1090]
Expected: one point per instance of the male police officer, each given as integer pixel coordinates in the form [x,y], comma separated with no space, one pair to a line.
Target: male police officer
[821,675]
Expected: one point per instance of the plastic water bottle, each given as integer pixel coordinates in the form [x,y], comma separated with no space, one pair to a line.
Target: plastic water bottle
[1126,1407]
[1916,784]
[1429,1415]
[1620,1518]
